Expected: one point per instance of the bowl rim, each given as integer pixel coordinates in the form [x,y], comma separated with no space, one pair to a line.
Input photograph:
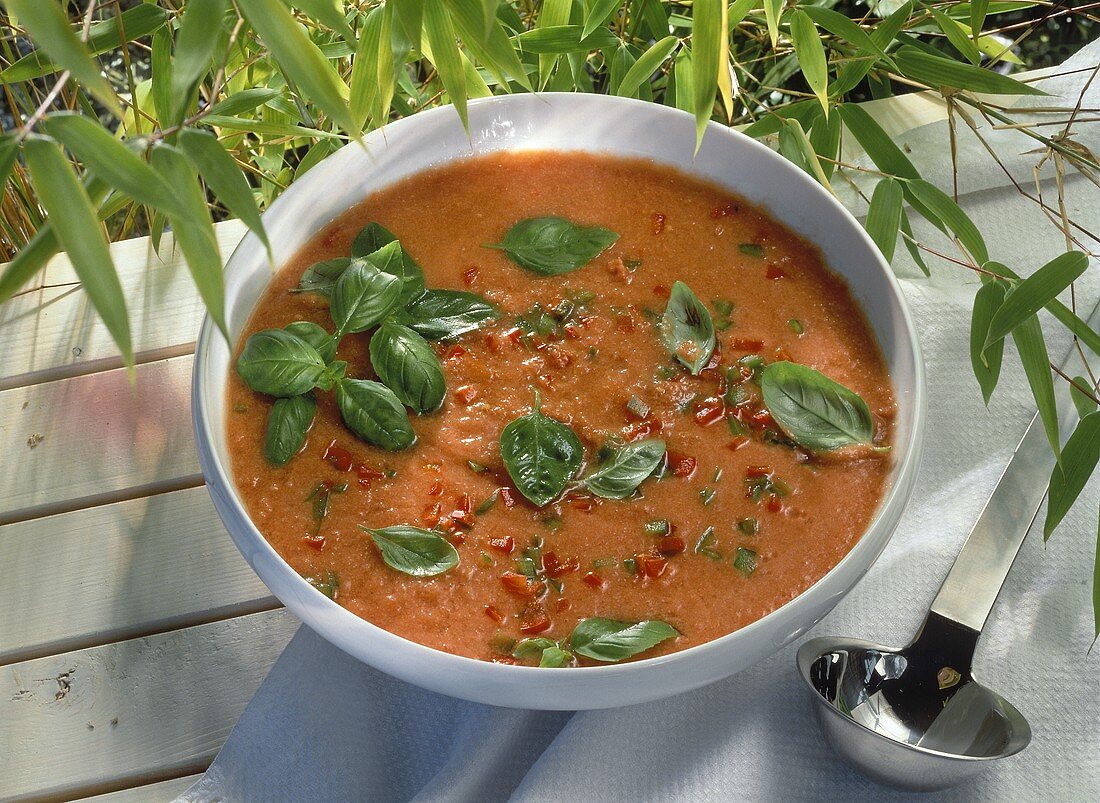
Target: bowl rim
[892,503]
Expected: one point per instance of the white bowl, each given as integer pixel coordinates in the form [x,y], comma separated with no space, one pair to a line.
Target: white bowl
[561,122]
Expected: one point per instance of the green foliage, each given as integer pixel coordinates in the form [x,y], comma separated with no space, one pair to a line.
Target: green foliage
[139,116]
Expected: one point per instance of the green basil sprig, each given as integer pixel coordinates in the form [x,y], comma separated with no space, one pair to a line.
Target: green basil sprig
[362,296]
[391,258]
[813,410]
[550,246]
[287,425]
[446,314]
[316,336]
[375,414]
[541,455]
[321,277]
[621,474]
[416,552]
[687,328]
[407,365]
[607,640]
[279,363]
[611,640]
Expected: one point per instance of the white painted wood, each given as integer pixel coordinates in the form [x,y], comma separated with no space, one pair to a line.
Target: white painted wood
[94,434]
[149,793]
[131,711]
[54,332]
[118,571]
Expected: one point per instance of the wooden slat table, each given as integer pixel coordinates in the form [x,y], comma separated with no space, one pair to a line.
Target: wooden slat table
[132,633]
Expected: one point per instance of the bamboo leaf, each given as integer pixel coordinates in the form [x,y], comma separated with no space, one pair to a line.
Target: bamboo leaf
[840,25]
[647,64]
[110,160]
[73,220]
[224,178]
[811,56]
[1028,337]
[939,72]
[488,16]
[562,39]
[1067,480]
[911,246]
[795,145]
[9,150]
[194,231]
[957,36]
[1063,314]
[945,212]
[446,56]
[372,70]
[264,127]
[48,25]
[599,12]
[300,59]
[825,138]
[706,47]
[882,35]
[409,16]
[978,10]
[194,50]
[986,362]
[886,155]
[884,216]
[493,49]
[682,78]
[726,79]
[773,10]
[1084,404]
[161,75]
[245,101]
[108,34]
[1096,586]
[554,14]
[1035,292]
[327,12]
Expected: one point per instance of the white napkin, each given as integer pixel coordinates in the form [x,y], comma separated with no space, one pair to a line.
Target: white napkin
[325,727]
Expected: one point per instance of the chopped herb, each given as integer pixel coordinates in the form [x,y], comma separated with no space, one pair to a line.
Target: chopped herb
[601,563]
[735,426]
[630,565]
[557,585]
[637,407]
[685,405]
[632,264]
[327,586]
[485,559]
[550,522]
[583,298]
[658,527]
[240,408]
[749,526]
[773,438]
[796,326]
[722,307]
[717,474]
[476,467]
[722,324]
[668,371]
[487,505]
[527,566]
[755,363]
[736,394]
[502,644]
[320,497]
[706,543]
[751,249]
[390,473]
[745,561]
[706,495]
[759,487]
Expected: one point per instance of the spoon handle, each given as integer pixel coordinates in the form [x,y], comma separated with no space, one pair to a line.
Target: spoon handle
[971,587]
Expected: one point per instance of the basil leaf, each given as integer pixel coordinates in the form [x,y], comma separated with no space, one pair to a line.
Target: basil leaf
[687,328]
[316,336]
[407,365]
[444,314]
[541,455]
[287,425]
[391,258]
[621,475]
[611,640]
[555,658]
[813,409]
[414,551]
[370,238]
[530,647]
[320,277]
[278,363]
[362,296]
[1079,458]
[550,246]
[374,413]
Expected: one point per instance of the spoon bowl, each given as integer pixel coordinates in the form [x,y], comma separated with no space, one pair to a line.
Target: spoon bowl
[908,718]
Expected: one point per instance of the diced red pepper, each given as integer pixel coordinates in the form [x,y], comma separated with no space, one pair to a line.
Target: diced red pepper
[737,442]
[561,604]
[545,380]
[774,504]
[650,565]
[506,497]
[661,291]
[709,411]
[754,472]
[505,545]
[752,344]
[466,394]
[494,613]
[714,361]
[470,276]
[436,488]
[775,272]
[680,464]
[658,223]
[593,579]
[454,352]
[763,418]
[494,342]
[519,584]
[432,513]
[314,541]
[455,537]
[641,429]
[462,512]
[339,457]
[571,331]
[367,473]
[671,545]
[556,567]
[582,503]
[534,621]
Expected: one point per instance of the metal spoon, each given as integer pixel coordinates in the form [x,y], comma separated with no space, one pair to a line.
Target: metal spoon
[916,717]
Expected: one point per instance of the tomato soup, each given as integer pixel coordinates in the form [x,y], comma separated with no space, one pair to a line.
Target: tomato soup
[559,409]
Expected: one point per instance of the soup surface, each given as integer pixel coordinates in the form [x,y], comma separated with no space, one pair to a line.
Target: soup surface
[740,512]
